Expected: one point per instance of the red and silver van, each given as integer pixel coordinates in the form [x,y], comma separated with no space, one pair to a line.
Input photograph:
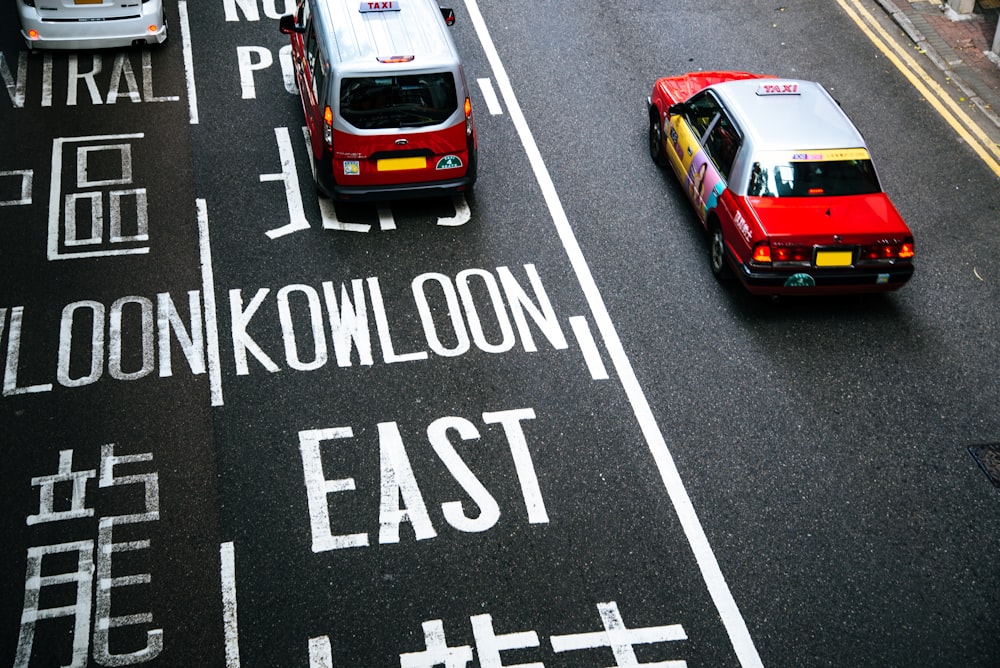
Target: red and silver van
[385,98]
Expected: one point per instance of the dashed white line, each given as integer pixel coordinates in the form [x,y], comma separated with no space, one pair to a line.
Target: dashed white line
[581,328]
[188,63]
[208,294]
[230,619]
[490,95]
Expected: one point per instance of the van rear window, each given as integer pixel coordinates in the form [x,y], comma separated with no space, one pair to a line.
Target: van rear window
[402,101]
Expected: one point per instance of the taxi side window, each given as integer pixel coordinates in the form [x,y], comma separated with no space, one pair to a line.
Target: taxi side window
[722,143]
[700,111]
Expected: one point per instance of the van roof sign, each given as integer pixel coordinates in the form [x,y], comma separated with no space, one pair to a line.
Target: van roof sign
[379,6]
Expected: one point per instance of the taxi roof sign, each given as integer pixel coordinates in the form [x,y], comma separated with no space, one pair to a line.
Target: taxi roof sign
[379,6]
[778,88]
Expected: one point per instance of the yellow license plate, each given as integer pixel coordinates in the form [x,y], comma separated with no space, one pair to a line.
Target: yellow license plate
[834,258]
[396,164]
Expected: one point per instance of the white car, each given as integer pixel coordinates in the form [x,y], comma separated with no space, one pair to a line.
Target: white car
[91,24]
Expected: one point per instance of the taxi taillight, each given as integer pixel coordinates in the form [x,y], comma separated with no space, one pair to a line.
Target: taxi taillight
[762,254]
[328,125]
[887,252]
[792,254]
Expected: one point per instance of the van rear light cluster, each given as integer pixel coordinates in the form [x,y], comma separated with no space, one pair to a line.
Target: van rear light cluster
[469,125]
[328,125]
[886,252]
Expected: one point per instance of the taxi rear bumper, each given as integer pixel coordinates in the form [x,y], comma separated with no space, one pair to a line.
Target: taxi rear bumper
[811,280]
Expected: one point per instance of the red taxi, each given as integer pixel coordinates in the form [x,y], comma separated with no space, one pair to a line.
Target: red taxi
[783,183]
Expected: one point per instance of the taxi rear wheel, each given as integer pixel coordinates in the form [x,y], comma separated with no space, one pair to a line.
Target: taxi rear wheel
[656,139]
[717,253]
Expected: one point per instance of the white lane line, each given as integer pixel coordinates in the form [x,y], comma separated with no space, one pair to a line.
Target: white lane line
[492,103]
[188,62]
[722,597]
[581,328]
[208,294]
[230,619]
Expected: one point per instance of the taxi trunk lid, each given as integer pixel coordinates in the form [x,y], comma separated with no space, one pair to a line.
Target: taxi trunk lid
[854,219]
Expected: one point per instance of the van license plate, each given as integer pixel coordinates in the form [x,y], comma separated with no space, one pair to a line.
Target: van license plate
[396,164]
[88,2]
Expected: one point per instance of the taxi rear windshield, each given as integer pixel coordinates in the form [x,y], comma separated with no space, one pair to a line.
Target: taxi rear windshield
[401,101]
[813,178]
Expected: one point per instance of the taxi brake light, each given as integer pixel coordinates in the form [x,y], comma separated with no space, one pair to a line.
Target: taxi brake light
[762,254]
[790,254]
[906,250]
[395,59]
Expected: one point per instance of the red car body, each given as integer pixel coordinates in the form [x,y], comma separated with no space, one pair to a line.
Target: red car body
[783,183]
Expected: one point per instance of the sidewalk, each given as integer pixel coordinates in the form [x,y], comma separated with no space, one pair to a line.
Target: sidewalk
[958,45]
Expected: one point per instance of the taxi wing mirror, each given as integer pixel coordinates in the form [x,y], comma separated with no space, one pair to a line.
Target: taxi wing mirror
[677,109]
[287,25]
[449,15]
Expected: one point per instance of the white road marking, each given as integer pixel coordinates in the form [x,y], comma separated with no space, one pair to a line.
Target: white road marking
[725,604]
[492,103]
[230,619]
[188,63]
[208,291]
[293,194]
[589,349]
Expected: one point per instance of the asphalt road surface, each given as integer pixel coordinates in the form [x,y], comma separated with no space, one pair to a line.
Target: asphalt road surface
[241,426]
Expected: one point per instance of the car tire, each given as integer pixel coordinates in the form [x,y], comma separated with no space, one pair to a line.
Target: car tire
[656,139]
[717,253]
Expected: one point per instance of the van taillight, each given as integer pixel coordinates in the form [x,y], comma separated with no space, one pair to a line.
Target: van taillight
[328,126]
[469,125]
[468,108]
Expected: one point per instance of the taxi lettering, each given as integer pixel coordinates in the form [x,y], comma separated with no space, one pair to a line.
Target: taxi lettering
[778,89]
[389,6]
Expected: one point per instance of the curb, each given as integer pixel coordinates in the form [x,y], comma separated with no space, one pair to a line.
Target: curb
[904,22]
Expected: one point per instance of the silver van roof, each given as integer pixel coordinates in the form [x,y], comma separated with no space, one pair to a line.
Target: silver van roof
[809,118]
[361,38]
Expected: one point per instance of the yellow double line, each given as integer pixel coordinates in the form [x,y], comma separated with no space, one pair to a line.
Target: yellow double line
[967,128]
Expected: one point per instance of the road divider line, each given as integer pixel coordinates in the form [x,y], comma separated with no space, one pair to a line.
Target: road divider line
[581,329]
[719,591]
[208,295]
[192,93]
[490,96]
[230,619]
[946,107]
